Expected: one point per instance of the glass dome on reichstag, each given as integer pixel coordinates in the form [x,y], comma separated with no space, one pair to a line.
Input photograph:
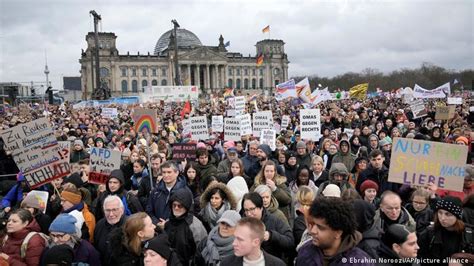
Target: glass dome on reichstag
[186,39]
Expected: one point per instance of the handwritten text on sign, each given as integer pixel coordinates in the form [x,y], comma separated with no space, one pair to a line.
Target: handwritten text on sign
[310,123]
[32,144]
[102,162]
[420,162]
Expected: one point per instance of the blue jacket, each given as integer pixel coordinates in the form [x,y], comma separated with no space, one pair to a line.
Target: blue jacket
[157,206]
[15,195]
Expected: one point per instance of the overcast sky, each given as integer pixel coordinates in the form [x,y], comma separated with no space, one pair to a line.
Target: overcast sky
[324,38]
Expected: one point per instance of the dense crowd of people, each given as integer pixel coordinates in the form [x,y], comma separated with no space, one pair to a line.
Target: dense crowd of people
[326,202]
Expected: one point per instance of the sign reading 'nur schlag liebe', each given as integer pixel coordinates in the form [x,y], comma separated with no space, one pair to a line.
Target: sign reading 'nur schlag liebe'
[417,162]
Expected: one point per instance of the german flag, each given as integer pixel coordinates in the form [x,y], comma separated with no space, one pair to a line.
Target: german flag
[260,60]
[266,29]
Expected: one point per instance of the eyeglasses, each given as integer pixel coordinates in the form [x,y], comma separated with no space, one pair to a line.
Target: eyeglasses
[250,210]
[177,205]
[58,236]
[419,202]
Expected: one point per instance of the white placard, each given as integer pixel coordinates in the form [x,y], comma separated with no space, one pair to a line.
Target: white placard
[454,100]
[102,162]
[239,105]
[262,120]
[231,129]
[245,124]
[310,124]
[41,197]
[230,110]
[199,129]
[285,121]
[64,150]
[349,132]
[186,127]
[109,113]
[268,136]
[217,123]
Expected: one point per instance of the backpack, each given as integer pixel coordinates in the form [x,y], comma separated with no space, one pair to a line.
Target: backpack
[24,244]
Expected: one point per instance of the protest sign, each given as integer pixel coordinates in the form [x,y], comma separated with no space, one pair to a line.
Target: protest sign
[230,109]
[41,197]
[186,127]
[310,124]
[231,129]
[349,132]
[217,123]
[39,176]
[419,92]
[102,162]
[32,144]
[268,136]
[109,113]
[145,120]
[455,100]
[198,128]
[239,105]
[418,109]
[245,124]
[183,151]
[444,112]
[419,162]
[285,121]
[64,150]
[262,120]
[277,127]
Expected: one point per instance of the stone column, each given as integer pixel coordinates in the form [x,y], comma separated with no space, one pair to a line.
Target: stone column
[189,75]
[208,77]
[225,69]
[197,76]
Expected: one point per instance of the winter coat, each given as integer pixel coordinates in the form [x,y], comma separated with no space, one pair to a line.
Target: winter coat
[304,160]
[102,234]
[299,226]
[371,233]
[378,176]
[321,179]
[209,215]
[343,185]
[76,156]
[13,197]
[348,159]
[273,209]
[144,187]
[86,253]
[248,162]
[205,171]
[385,252]
[309,254]
[439,243]
[422,218]
[239,261]
[383,222]
[119,253]
[290,173]
[185,232]
[223,170]
[44,222]
[11,245]
[127,170]
[157,206]
[281,238]
[282,193]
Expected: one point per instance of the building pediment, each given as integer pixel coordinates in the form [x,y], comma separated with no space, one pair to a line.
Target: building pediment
[202,54]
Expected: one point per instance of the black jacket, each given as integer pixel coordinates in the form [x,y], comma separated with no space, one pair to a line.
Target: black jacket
[378,176]
[119,253]
[322,178]
[102,233]
[299,226]
[434,243]
[422,218]
[239,261]
[371,233]
[386,253]
[281,238]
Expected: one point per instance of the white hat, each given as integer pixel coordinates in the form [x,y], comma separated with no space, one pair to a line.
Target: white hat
[332,190]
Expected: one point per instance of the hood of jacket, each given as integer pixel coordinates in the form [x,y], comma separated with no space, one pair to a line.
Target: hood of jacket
[365,214]
[338,168]
[224,188]
[349,146]
[279,179]
[349,242]
[184,197]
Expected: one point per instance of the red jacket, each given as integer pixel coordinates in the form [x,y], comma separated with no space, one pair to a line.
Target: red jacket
[35,247]
[466,192]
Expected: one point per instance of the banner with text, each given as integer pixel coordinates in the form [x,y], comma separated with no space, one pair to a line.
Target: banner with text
[199,129]
[109,113]
[183,151]
[231,129]
[310,124]
[102,162]
[239,105]
[418,162]
[262,120]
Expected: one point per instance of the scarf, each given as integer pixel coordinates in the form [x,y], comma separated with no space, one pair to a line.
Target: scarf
[212,215]
[217,247]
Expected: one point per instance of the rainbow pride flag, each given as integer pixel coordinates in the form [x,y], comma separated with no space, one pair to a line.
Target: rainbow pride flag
[145,120]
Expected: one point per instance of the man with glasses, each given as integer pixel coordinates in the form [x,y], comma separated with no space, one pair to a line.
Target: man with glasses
[113,218]
[185,231]
[392,212]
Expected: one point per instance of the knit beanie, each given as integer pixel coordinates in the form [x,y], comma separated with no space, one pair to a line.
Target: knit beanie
[74,179]
[33,201]
[72,197]
[301,145]
[332,190]
[118,174]
[64,223]
[79,142]
[266,149]
[59,255]
[450,204]
[160,245]
[463,139]
[368,184]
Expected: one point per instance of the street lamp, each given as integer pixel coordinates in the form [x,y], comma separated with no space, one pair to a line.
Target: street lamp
[176,66]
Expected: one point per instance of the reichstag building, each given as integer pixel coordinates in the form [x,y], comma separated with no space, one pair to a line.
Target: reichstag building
[211,68]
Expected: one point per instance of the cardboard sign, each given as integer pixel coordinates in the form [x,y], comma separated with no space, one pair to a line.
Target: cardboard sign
[198,128]
[217,123]
[41,197]
[285,121]
[32,145]
[268,136]
[109,113]
[262,120]
[183,151]
[455,100]
[444,112]
[310,124]
[102,162]
[47,173]
[239,105]
[418,109]
[145,120]
[245,124]
[230,110]
[418,162]
[231,129]
[64,150]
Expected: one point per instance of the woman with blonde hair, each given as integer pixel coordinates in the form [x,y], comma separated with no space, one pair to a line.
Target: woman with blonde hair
[126,242]
[304,198]
[268,176]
